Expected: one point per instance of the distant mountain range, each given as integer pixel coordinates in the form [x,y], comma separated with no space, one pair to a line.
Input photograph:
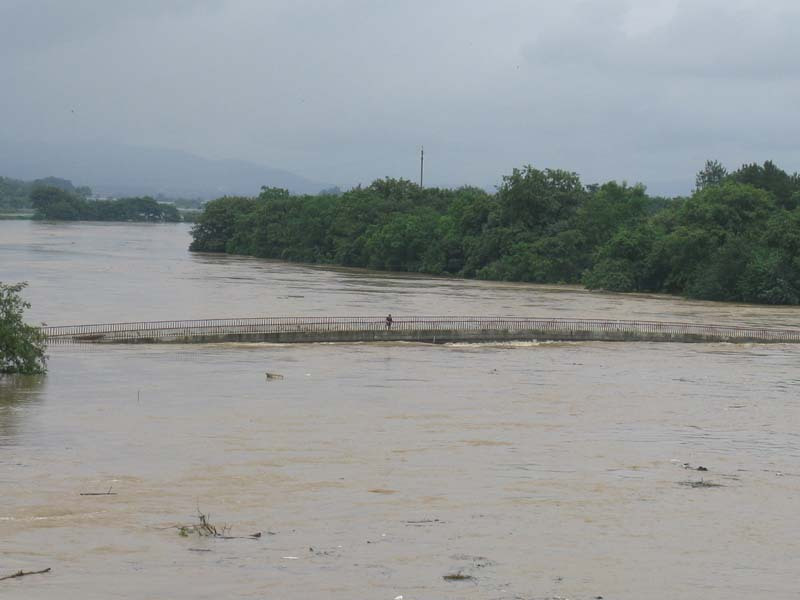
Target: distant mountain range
[118,170]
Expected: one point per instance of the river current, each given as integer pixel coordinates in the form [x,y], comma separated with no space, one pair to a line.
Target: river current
[499,471]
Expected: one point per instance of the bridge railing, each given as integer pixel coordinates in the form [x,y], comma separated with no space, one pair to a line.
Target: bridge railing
[165,330]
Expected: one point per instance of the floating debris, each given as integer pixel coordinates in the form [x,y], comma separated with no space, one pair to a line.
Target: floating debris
[479,562]
[691,468]
[700,484]
[204,528]
[22,573]
[458,577]
[108,493]
[424,522]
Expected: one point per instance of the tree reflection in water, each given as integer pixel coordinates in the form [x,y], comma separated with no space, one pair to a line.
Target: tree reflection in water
[17,394]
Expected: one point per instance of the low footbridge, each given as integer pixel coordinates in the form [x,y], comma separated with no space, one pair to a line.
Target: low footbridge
[412,329]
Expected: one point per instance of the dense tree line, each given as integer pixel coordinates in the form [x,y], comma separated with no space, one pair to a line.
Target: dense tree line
[15,194]
[52,203]
[737,237]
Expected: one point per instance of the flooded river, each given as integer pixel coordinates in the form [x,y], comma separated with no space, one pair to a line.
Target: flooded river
[516,471]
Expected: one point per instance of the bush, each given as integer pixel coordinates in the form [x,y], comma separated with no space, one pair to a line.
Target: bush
[22,346]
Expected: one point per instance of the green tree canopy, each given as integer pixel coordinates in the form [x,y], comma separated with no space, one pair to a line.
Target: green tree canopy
[735,238]
[713,173]
[22,346]
[785,188]
[537,199]
[55,204]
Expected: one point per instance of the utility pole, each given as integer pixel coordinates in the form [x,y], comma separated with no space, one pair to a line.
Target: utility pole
[421,163]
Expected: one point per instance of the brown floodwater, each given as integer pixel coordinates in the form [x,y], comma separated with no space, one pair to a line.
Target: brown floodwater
[552,470]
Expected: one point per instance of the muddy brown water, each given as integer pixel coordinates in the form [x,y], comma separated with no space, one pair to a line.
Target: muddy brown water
[375,471]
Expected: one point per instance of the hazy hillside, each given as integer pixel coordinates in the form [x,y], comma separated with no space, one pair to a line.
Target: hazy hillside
[117,170]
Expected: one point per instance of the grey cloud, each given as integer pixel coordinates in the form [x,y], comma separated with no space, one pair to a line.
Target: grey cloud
[704,39]
[36,25]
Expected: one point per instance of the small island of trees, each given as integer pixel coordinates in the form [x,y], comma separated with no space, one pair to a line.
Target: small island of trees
[56,204]
[736,238]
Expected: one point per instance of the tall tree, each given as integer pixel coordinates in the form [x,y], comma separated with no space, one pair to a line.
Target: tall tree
[713,173]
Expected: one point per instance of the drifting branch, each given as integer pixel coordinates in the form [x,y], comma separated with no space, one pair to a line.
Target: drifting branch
[108,493]
[21,573]
[206,529]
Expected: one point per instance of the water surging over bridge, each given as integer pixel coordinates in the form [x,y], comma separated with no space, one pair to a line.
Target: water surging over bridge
[412,329]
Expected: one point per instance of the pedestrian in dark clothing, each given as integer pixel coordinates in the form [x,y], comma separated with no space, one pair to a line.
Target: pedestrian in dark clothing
[389,321]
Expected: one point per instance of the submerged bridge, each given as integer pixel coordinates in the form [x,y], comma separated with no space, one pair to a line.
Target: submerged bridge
[412,329]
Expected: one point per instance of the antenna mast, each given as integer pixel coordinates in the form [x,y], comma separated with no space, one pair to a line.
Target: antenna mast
[421,163]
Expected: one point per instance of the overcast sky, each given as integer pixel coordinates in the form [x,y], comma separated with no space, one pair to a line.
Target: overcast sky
[345,91]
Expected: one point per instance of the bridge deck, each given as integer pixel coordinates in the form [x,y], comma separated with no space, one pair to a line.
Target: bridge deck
[421,329]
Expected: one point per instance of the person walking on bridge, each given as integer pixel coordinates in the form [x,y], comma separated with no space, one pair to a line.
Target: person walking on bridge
[389,322]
